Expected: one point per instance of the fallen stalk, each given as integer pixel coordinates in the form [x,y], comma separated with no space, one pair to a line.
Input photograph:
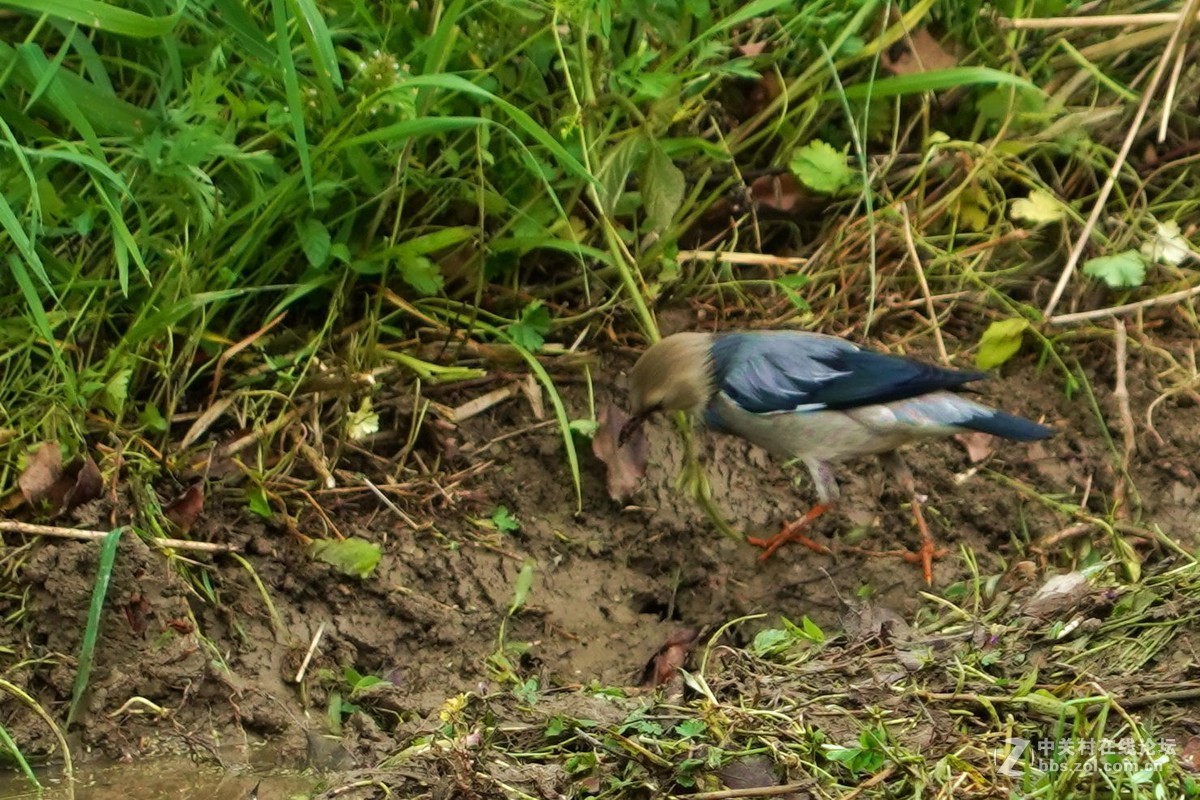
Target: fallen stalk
[13,526]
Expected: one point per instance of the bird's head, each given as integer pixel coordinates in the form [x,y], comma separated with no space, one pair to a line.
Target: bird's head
[675,374]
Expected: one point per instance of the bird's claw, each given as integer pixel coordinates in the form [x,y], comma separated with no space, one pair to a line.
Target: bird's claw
[791,533]
[924,555]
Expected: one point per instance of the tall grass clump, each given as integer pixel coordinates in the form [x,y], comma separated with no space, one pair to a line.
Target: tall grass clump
[207,200]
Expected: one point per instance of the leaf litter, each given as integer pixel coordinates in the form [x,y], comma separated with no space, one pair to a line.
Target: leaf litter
[625,464]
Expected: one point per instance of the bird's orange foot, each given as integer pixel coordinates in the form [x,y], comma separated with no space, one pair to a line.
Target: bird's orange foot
[923,555]
[791,533]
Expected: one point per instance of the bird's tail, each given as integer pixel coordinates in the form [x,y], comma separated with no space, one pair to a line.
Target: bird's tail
[998,423]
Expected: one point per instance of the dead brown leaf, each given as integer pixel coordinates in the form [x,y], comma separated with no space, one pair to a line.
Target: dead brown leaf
[752,49]
[1058,597]
[778,192]
[85,485]
[626,463]
[664,666]
[186,508]
[978,445]
[46,482]
[749,772]
[917,52]
[43,471]
[1190,755]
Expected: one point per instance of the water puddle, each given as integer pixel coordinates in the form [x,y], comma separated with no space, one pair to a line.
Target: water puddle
[169,778]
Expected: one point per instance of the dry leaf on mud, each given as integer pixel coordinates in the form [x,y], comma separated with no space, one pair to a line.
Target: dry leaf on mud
[186,508]
[1190,755]
[749,772]
[43,469]
[1058,596]
[917,52]
[978,445]
[626,463]
[664,666]
[86,484]
[778,192]
[45,479]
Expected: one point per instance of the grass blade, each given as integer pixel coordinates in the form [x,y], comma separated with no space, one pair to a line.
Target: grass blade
[320,43]
[237,20]
[291,82]
[94,14]
[23,697]
[937,80]
[108,555]
[109,114]
[7,743]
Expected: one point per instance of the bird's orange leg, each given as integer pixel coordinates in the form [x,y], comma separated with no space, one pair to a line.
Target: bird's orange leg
[791,533]
[927,552]
[923,555]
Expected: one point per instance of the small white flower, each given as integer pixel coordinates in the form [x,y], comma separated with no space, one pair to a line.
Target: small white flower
[363,422]
[1168,245]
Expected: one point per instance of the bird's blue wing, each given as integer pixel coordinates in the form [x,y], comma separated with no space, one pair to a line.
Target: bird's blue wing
[787,371]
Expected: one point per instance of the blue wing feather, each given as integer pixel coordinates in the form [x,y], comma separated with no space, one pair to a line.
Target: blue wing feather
[788,371]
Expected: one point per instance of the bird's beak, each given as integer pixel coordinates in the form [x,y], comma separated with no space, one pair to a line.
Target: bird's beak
[632,424]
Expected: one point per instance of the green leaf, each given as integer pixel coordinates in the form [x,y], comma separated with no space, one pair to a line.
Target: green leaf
[771,640]
[555,727]
[256,501]
[614,170]
[421,274]
[1000,342]
[973,207]
[314,240]
[691,728]
[580,763]
[504,521]
[584,427]
[1123,270]
[789,285]
[365,682]
[530,330]
[527,692]
[820,167]
[812,630]
[352,556]
[662,187]
[116,391]
[523,586]
[1039,208]
[152,418]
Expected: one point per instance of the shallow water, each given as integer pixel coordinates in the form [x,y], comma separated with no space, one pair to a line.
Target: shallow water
[172,778]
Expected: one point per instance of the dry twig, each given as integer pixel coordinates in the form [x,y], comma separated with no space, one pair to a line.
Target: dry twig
[13,526]
[916,262]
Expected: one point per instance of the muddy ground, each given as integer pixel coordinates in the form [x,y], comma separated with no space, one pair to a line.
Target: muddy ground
[611,584]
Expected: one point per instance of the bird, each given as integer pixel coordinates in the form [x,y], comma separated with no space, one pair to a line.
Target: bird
[817,398]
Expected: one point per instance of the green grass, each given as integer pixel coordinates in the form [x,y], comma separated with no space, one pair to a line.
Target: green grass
[222,202]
